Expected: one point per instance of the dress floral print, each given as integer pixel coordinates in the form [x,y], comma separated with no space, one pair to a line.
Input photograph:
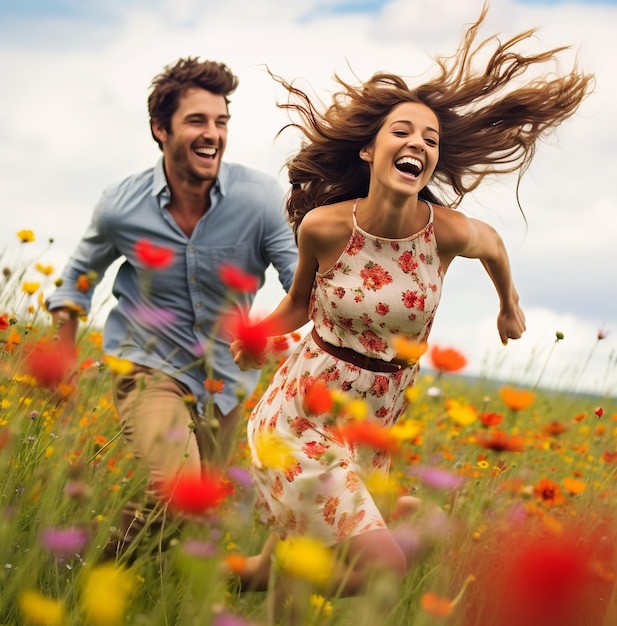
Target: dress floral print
[379,288]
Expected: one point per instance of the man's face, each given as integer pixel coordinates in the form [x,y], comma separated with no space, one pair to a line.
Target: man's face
[194,145]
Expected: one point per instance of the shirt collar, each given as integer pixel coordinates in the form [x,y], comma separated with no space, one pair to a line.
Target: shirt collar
[159,180]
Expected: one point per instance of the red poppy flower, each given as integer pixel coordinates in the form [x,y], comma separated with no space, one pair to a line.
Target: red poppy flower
[152,256]
[501,442]
[317,398]
[49,362]
[253,334]
[447,359]
[491,419]
[4,321]
[371,434]
[554,428]
[195,494]
[238,280]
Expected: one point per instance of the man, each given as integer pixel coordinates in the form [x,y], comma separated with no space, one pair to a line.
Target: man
[177,224]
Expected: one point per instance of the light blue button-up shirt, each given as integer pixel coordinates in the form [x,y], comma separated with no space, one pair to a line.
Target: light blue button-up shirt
[170,319]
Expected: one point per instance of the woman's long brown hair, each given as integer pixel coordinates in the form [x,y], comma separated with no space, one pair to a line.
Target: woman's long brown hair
[491,117]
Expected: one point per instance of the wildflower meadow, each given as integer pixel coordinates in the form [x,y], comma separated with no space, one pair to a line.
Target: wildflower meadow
[519,489]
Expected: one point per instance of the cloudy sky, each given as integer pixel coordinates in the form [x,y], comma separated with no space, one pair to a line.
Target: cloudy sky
[75,76]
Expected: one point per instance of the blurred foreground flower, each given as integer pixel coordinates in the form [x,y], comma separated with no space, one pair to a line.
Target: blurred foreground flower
[305,558]
[152,256]
[236,279]
[38,610]
[121,367]
[105,594]
[26,235]
[49,362]
[317,398]
[500,441]
[409,350]
[517,399]
[195,494]
[529,577]
[436,477]
[64,542]
[253,334]
[273,452]
[447,359]
[369,433]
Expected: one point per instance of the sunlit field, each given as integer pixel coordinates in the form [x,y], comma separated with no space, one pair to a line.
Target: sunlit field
[517,525]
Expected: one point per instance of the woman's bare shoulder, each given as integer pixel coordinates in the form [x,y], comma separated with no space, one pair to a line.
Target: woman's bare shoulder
[452,230]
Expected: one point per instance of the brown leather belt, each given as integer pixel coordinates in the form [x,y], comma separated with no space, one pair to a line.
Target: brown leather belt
[360,360]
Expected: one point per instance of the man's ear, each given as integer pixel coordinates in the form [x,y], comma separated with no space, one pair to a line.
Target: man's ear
[159,132]
[366,154]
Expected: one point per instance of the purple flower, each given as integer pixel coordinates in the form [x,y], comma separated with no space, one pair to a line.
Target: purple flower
[241,476]
[199,549]
[153,317]
[229,619]
[64,541]
[436,478]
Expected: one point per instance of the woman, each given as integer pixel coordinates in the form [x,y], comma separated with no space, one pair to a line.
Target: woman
[374,246]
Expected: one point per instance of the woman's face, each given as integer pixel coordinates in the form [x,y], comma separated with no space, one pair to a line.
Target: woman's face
[405,151]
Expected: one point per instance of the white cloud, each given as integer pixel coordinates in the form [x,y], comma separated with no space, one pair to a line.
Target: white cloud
[73,119]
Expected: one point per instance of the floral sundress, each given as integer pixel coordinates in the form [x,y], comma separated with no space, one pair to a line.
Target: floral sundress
[308,480]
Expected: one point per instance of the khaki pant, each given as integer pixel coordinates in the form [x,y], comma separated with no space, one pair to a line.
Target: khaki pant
[167,434]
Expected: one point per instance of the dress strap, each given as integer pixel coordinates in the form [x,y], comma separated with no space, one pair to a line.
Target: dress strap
[354,212]
[430,211]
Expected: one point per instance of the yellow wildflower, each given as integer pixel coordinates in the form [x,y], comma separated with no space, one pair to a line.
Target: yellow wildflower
[460,413]
[30,287]
[306,558]
[25,235]
[273,452]
[105,594]
[122,367]
[46,270]
[40,610]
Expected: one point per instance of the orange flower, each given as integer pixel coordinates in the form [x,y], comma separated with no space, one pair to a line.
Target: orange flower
[152,256]
[548,492]
[12,341]
[236,562]
[574,486]
[317,398]
[82,283]
[371,434]
[501,442]
[436,605]
[447,359]
[214,386]
[517,399]
[409,350]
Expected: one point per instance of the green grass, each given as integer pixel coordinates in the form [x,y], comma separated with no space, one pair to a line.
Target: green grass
[530,534]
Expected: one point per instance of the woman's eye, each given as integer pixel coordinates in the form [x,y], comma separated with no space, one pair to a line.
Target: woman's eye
[430,141]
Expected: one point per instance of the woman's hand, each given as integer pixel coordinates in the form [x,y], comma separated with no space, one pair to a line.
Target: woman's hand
[511,323]
[244,359]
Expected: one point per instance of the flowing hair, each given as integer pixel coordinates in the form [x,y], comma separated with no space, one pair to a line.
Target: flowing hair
[490,121]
